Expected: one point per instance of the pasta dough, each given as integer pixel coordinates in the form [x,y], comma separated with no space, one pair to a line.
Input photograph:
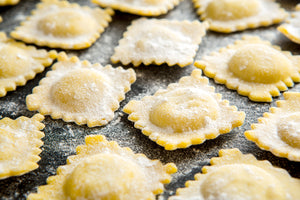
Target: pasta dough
[184,114]
[104,170]
[237,15]
[8,2]
[80,28]
[278,131]
[236,176]
[140,7]
[20,142]
[156,41]
[20,63]
[81,92]
[253,67]
[291,29]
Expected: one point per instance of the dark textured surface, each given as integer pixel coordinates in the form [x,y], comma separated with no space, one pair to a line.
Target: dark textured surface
[61,138]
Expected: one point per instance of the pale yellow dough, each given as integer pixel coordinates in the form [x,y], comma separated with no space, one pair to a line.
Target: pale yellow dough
[8,2]
[279,130]
[253,67]
[140,7]
[291,29]
[237,15]
[20,142]
[80,92]
[184,114]
[103,170]
[20,63]
[158,41]
[79,29]
[235,176]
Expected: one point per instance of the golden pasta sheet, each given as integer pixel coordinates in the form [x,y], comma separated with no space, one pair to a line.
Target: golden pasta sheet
[184,114]
[237,176]
[279,130]
[20,63]
[80,92]
[20,142]
[104,170]
[253,67]
[158,41]
[140,7]
[8,2]
[237,15]
[291,29]
[59,24]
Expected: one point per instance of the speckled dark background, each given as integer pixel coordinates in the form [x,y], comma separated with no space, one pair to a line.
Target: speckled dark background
[61,138]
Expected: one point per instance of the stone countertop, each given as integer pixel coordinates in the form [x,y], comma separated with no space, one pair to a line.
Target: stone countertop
[61,138]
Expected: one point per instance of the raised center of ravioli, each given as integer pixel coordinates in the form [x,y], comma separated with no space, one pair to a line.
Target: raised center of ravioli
[231,9]
[106,177]
[156,39]
[260,63]
[80,90]
[241,181]
[289,129]
[184,110]
[67,23]
[13,62]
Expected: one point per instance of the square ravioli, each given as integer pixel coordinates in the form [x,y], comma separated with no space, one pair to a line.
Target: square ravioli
[79,29]
[140,7]
[20,63]
[236,15]
[160,41]
[184,114]
[253,67]
[104,170]
[81,92]
[20,142]
[235,176]
[291,29]
[279,130]
[8,2]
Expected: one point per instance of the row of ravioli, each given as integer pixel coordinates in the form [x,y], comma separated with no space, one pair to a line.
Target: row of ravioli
[222,16]
[84,93]
[158,41]
[200,113]
[104,170]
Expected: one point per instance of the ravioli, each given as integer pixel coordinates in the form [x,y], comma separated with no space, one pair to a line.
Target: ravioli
[20,63]
[184,114]
[236,176]
[236,15]
[253,67]
[20,142]
[291,29]
[8,2]
[79,29]
[279,130]
[158,41]
[140,7]
[81,92]
[104,170]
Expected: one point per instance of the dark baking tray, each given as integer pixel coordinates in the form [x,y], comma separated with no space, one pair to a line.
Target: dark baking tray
[61,138]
